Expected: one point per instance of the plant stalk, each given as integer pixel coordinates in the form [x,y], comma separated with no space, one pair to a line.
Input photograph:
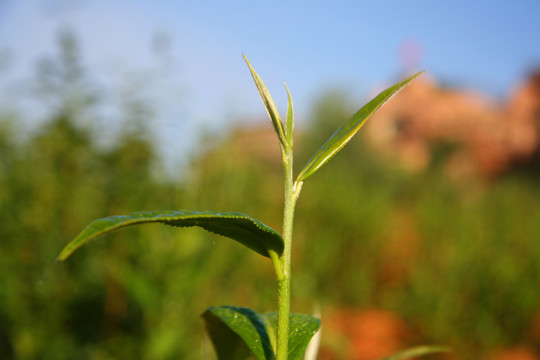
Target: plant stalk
[284,283]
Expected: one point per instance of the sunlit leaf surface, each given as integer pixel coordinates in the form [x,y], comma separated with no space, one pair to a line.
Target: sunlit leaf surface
[348,129]
[242,228]
[269,105]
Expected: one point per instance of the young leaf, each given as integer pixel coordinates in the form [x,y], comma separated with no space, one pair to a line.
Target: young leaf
[290,119]
[230,326]
[347,130]
[242,228]
[237,332]
[269,105]
[417,351]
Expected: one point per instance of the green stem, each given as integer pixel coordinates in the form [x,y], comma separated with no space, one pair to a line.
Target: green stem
[292,190]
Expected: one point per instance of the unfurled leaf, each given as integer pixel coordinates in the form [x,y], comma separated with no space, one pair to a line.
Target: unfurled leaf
[238,333]
[417,351]
[269,105]
[347,130]
[242,228]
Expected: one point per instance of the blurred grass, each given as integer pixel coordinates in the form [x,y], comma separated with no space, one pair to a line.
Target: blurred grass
[458,261]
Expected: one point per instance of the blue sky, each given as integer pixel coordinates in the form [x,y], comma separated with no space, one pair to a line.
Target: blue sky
[485,45]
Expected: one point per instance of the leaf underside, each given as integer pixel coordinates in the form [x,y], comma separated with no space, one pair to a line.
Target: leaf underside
[241,333]
[348,129]
[242,228]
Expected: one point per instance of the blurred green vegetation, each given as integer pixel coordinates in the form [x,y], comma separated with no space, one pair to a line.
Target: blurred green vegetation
[459,262]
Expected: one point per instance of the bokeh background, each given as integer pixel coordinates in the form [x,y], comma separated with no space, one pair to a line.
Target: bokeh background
[424,229]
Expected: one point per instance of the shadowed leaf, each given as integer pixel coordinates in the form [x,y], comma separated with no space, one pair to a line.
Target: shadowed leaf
[301,329]
[238,333]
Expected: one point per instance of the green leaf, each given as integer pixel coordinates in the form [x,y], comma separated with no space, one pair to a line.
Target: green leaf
[417,351]
[348,129]
[239,332]
[290,118]
[242,228]
[269,105]
[301,329]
